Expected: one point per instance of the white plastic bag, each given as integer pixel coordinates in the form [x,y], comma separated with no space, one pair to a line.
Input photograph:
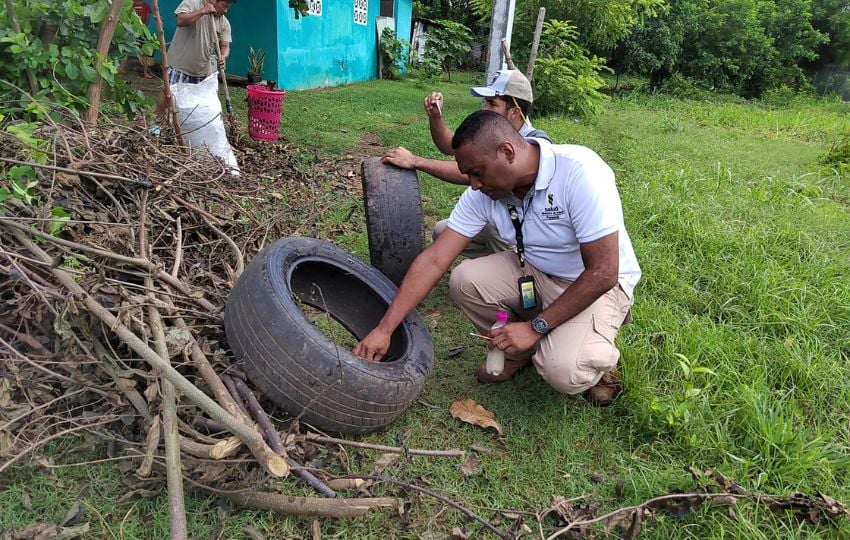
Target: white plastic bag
[199,114]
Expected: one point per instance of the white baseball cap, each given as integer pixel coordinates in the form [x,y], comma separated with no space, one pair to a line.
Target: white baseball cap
[506,82]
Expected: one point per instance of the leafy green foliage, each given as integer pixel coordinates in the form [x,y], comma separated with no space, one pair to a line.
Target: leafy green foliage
[256,61]
[22,180]
[675,410]
[747,46]
[393,52]
[447,44]
[832,17]
[58,43]
[838,155]
[567,77]
[654,48]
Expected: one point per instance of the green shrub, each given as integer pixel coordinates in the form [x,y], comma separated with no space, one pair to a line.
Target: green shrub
[447,44]
[392,51]
[567,78]
[838,155]
[57,45]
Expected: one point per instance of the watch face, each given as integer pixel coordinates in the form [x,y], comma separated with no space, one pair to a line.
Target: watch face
[540,325]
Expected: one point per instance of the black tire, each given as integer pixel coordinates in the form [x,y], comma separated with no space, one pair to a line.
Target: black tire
[301,370]
[394,221]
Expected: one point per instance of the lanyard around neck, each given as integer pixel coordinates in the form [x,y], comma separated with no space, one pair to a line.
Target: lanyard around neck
[520,245]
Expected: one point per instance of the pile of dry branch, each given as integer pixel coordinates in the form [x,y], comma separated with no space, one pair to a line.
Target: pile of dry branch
[111,324]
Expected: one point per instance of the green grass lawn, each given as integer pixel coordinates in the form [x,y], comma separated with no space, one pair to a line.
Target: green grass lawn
[744,241]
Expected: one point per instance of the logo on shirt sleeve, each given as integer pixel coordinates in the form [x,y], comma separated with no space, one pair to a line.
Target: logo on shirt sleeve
[552,211]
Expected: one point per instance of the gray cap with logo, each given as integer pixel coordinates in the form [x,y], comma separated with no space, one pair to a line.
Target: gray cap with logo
[506,82]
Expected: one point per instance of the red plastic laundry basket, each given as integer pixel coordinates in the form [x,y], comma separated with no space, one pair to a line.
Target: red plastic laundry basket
[264,109]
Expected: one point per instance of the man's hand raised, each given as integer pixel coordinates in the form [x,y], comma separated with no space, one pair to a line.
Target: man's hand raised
[400,157]
[434,105]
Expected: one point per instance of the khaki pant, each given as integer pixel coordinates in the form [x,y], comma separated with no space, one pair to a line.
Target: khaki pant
[485,243]
[573,356]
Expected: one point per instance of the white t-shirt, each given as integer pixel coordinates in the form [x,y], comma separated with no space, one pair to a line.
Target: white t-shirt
[574,200]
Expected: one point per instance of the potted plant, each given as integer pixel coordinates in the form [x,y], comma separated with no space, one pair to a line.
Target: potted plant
[256,62]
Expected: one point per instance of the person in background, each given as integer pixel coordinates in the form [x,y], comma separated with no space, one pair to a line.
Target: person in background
[569,286]
[509,94]
[200,23]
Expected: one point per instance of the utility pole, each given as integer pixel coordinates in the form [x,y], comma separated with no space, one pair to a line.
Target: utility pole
[501,27]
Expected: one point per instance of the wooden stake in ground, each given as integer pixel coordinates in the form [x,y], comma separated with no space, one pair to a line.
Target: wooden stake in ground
[532,58]
[166,95]
[103,44]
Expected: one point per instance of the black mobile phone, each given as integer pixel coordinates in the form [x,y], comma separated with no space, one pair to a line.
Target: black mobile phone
[527,292]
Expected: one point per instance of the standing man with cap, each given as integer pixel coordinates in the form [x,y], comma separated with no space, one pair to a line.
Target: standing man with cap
[190,55]
[569,286]
[509,95]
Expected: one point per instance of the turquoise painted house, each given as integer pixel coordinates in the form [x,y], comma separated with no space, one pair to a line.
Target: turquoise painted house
[335,44]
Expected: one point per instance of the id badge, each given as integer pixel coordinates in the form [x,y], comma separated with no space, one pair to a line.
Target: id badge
[527,292]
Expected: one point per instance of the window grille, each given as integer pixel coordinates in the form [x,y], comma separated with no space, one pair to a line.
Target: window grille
[361,9]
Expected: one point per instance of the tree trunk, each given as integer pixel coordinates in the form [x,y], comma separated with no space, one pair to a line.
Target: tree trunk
[16,27]
[103,44]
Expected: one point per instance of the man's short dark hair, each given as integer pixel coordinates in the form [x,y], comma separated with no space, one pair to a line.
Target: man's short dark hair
[524,106]
[487,129]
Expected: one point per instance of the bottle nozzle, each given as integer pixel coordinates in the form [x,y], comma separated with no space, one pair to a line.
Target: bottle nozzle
[502,316]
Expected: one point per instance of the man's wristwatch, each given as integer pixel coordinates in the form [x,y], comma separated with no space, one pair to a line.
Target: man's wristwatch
[540,325]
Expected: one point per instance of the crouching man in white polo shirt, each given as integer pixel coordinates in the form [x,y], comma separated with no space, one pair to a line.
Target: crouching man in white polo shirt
[569,286]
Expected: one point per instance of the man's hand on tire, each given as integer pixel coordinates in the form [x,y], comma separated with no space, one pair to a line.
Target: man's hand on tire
[374,346]
[400,157]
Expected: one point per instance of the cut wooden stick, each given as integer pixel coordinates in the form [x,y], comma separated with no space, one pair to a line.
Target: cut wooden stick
[473,334]
[220,450]
[274,440]
[173,465]
[199,359]
[457,506]
[393,449]
[312,506]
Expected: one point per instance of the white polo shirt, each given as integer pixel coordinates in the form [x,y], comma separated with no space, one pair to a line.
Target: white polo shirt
[574,200]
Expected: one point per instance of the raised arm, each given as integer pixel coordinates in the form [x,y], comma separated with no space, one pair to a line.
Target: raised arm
[440,132]
[444,170]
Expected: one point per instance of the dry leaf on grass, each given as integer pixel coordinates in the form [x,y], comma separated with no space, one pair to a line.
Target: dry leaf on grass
[472,413]
[383,462]
[470,466]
